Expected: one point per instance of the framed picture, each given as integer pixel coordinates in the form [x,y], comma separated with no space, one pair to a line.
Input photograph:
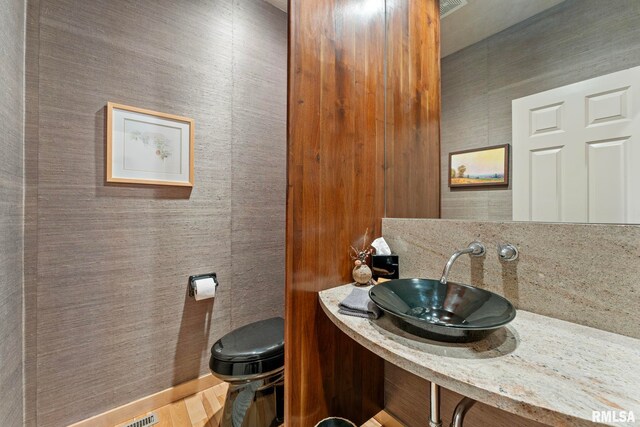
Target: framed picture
[148,147]
[481,167]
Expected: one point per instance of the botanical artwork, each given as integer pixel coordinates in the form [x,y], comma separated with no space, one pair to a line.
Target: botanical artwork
[482,167]
[160,143]
[148,147]
[151,148]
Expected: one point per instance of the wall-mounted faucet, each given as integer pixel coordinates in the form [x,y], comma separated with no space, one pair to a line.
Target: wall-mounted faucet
[474,249]
[507,252]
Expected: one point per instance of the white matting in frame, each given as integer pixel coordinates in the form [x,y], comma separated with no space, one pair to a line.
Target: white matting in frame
[148,147]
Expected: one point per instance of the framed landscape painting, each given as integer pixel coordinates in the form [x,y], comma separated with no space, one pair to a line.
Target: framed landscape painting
[481,167]
[148,147]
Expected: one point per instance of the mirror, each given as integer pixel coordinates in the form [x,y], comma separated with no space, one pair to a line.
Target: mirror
[559,82]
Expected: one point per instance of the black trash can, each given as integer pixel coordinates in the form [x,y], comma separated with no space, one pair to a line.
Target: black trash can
[335,422]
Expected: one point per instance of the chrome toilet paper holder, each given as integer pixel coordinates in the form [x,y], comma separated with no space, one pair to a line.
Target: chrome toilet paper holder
[192,281]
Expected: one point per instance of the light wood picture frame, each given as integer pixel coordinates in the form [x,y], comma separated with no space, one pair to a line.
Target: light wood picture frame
[149,147]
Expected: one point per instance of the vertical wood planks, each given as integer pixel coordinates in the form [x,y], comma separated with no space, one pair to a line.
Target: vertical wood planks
[335,192]
[413,109]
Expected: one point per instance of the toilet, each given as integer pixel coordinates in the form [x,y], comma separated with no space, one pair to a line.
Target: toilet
[251,360]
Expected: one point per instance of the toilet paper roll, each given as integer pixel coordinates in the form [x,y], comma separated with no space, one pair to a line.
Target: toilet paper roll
[205,288]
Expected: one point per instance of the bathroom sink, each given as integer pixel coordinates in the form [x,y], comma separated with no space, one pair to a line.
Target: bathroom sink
[449,312]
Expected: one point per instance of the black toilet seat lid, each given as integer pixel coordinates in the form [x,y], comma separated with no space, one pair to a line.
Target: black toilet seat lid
[255,341]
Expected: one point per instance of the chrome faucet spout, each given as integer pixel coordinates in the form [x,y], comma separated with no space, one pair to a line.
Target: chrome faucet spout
[474,249]
[449,263]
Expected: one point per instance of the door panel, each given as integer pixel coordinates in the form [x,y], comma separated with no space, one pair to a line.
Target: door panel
[574,149]
[546,184]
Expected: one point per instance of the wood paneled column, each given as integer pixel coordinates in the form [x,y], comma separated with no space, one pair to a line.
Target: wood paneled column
[413,109]
[335,192]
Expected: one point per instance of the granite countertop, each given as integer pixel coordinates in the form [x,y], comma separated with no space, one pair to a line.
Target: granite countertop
[538,367]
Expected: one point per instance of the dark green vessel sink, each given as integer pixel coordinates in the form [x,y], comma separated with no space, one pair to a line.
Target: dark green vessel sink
[449,312]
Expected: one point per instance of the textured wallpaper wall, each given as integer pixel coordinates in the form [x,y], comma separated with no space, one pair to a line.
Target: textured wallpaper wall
[112,320]
[11,208]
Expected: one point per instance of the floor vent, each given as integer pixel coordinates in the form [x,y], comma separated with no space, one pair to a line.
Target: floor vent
[149,420]
[447,7]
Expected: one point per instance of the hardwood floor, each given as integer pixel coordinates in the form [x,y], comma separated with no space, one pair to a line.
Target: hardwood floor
[382,419]
[204,409]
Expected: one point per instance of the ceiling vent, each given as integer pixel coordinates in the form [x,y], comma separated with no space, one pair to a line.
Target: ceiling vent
[447,7]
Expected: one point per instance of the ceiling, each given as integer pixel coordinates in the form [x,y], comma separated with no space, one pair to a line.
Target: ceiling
[477,20]
[280,4]
[480,19]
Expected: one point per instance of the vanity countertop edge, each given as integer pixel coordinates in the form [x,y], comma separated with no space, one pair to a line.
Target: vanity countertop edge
[538,367]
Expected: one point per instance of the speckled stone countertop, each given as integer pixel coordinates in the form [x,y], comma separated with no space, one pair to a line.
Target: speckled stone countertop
[538,367]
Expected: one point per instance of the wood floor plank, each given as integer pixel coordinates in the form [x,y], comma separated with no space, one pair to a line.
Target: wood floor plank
[206,402]
[385,420]
[179,414]
[196,411]
[372,423]
[164,417]
[204,409]
[212,404]
[220,391]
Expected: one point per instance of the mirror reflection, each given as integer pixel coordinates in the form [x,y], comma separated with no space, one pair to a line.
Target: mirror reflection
[558,84]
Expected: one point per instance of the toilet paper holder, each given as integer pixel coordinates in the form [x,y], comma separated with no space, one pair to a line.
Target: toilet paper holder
[192,281]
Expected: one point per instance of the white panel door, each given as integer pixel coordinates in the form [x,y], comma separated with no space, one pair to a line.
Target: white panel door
[576,152]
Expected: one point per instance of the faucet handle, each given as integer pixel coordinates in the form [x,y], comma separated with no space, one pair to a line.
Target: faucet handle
[477,248]
[507,252]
